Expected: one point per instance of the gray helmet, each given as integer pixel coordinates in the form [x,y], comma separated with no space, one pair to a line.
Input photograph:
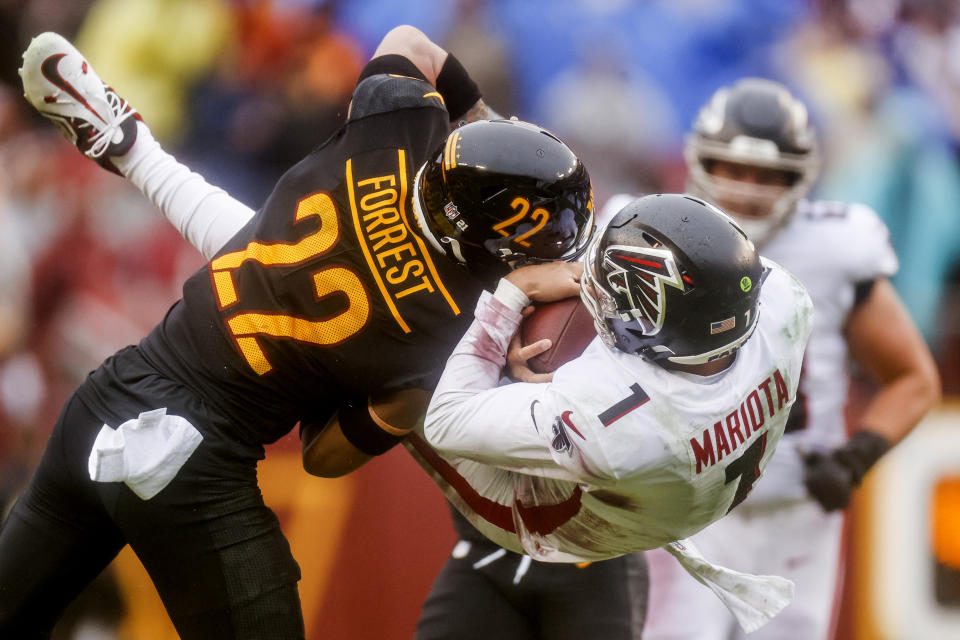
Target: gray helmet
[754,122]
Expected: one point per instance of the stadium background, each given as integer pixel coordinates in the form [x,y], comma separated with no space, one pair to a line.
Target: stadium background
[240,90]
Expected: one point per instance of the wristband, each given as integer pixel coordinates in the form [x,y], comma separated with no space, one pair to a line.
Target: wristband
[366,431]
[458,89]
[511,295]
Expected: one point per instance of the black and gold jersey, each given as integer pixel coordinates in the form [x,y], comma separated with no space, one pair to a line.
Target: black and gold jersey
[329,292]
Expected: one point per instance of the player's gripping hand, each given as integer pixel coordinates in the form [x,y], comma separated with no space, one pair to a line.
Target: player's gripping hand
[549,281]
[831,477]
[519,354]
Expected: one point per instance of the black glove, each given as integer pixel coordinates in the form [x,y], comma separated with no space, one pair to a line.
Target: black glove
[831,477]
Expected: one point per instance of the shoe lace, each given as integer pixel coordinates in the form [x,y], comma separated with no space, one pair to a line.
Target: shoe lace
[101,139]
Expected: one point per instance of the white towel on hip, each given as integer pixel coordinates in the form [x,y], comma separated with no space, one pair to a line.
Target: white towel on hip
[753,600]
[145,453]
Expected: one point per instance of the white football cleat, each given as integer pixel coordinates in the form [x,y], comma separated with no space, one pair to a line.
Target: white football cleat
[60,84]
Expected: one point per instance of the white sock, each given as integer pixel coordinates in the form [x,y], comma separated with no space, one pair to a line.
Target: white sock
[207,216]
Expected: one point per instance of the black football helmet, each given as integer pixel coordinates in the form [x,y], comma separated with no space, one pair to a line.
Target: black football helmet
[754,122]
[673,277]
[503,193]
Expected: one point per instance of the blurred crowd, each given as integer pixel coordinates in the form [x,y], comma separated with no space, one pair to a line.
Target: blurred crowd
[241,89]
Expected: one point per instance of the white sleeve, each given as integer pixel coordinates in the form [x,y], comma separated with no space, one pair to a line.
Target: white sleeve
[868,248]
[471,417]
[203,214]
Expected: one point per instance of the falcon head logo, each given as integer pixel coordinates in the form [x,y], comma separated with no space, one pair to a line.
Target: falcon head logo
[638,276]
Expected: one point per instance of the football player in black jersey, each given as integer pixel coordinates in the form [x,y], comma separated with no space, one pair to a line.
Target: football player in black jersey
[334,306]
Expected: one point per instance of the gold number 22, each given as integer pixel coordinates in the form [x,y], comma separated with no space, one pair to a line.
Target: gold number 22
[522,206]
[245,327]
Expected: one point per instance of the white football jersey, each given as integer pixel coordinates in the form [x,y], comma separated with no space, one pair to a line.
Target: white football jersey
[616,454]
[830,247]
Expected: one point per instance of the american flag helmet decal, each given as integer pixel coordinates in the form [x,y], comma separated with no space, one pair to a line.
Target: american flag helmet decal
[723,325]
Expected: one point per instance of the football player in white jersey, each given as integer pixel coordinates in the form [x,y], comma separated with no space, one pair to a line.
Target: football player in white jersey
[753,152]
[664,423]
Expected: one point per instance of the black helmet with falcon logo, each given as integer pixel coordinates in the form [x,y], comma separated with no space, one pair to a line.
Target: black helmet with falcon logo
[673,277]
[504,192]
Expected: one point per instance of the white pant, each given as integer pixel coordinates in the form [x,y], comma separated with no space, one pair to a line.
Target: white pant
[799,542]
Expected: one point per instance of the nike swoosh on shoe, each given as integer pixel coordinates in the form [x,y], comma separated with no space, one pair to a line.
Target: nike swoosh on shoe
[49,69]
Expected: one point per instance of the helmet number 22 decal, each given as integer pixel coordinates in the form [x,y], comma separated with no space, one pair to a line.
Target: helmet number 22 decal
[521,205]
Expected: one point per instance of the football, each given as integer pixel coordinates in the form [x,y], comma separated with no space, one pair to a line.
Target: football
[567,324]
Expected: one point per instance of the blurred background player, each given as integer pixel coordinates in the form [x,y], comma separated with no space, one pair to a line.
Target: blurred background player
[753,152]
[158,447]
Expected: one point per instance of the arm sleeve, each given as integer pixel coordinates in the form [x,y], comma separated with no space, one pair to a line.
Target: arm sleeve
[458,89]
[471,417]
[205,215]
[867,241]
[390,64]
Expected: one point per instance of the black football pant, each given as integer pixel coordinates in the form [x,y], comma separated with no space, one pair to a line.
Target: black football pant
[213,549]
[547,601]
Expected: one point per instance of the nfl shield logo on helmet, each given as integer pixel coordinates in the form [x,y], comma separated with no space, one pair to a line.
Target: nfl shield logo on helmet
[451,211]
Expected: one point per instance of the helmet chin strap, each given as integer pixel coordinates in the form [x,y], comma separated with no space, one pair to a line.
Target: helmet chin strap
[454,249]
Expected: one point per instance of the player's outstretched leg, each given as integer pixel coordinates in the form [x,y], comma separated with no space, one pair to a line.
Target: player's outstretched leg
[60,84]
